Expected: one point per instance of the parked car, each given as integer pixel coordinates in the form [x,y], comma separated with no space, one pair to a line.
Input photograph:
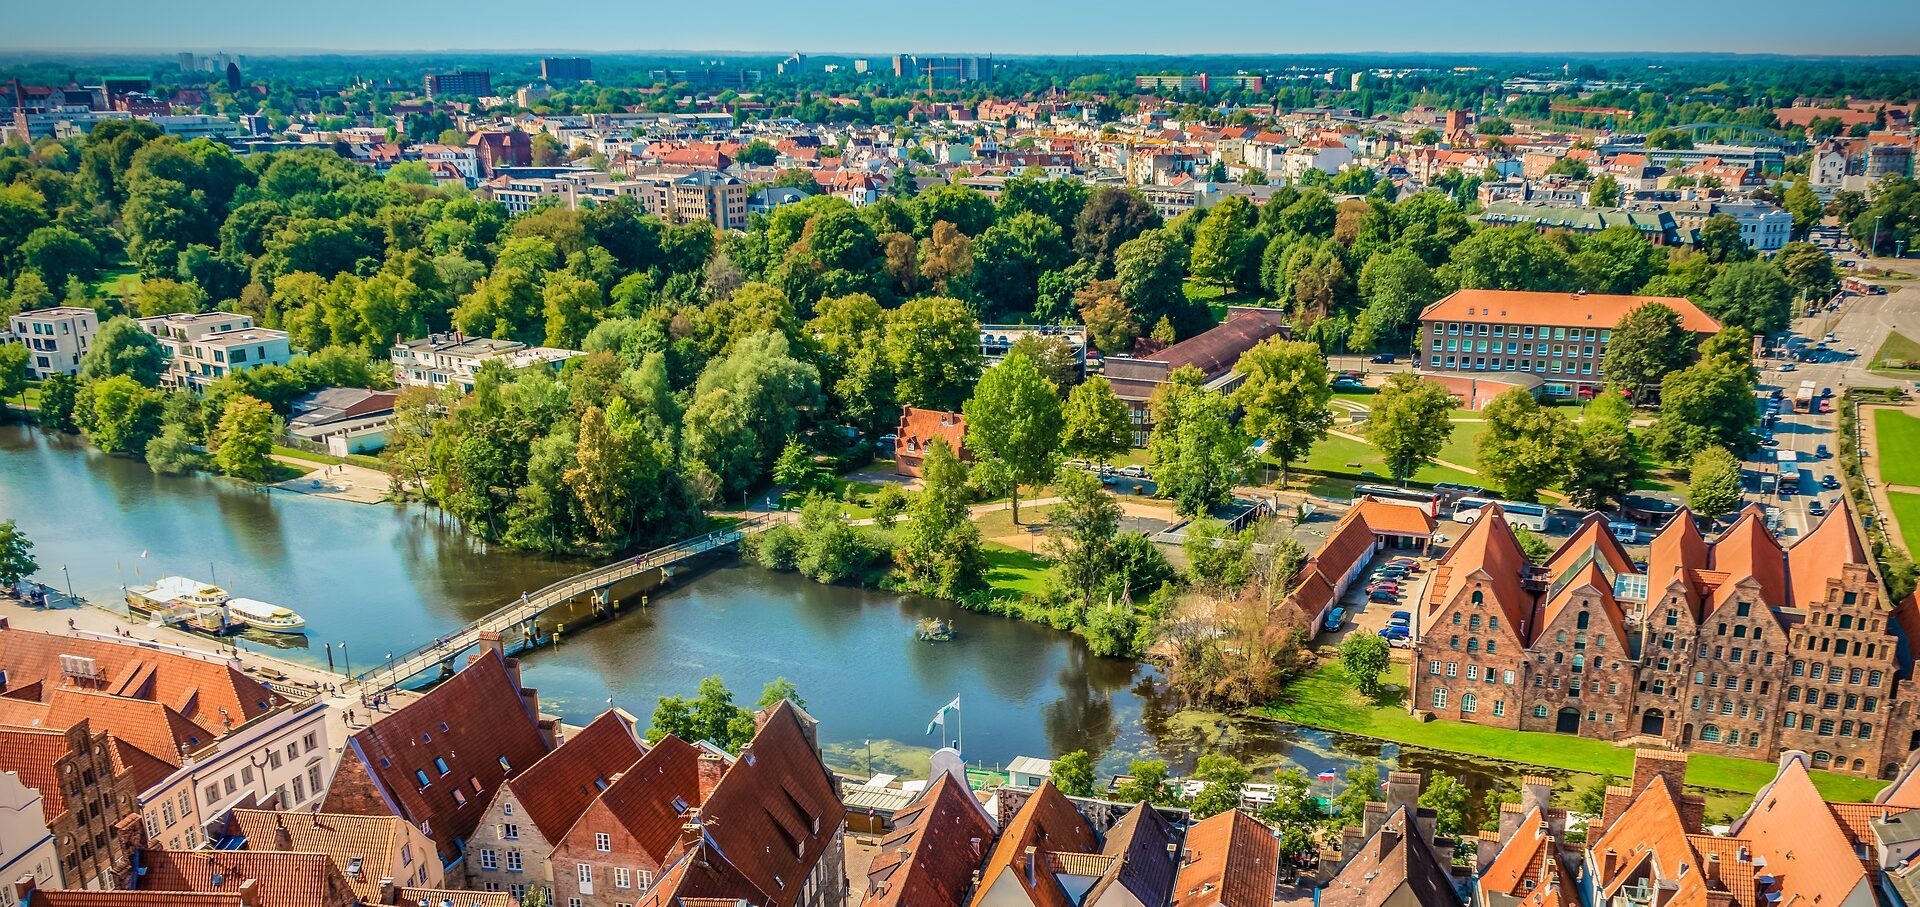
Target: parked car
[1134,471]
[1335,618]
[1822,452]
[1387,588]
[1815,508]
[1788,367]
[1383,595]
[1382,358]
[1400,619]
[1397,637]
[1769,441]
[1829,482]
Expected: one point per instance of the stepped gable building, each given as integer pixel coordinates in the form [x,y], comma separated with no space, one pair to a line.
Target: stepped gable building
[1525,862]
[87,799]
[1228,859]
[438,760]
[1393,867]
[533,810]
[937,841]
[1736,645]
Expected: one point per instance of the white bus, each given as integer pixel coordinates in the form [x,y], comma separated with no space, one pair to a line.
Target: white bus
[1532,516]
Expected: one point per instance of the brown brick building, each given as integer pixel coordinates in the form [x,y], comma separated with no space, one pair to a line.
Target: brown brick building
[1735,646]
[87,795]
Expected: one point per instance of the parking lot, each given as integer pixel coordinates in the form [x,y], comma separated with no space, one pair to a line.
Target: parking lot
[1364,615]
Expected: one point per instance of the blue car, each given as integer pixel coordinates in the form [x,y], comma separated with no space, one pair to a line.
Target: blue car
[1397,636]
[1400,619]
[1335,618]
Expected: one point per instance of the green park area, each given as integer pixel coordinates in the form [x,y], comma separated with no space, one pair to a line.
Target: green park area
[1897,433]
[1898,355]
[1325,698]
[1906,512]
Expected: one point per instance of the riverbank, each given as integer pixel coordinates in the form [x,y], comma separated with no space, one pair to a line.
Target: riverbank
[1324,698]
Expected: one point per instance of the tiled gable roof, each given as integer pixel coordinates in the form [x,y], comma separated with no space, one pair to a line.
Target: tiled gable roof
[1230,860]
[1139,846]
[777,809]
[156,729]
[465,735]
[280,879]
[1048,822]
[1746,550]
[929,857]
[371,840]
[202,690]
[557,788]
[1809,854]
[31,753]
[650,800]
[1819,555]
[1396,858]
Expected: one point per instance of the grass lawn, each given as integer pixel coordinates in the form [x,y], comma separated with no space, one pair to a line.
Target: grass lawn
[999,523]
[1216,298]
[1324,699]
[1906,512]
[859,507]
[1897,348]
[1459,448]
[1344,457]
[1015,574]
[119,282]
[1896,431]
[320,459]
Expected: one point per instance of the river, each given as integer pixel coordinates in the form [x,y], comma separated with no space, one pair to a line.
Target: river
[378,579]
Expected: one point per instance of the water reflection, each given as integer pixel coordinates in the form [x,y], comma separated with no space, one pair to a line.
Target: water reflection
[378,579]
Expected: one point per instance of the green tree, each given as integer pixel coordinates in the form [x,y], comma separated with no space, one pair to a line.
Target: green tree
[1721,243]
[1010,257]
[173,451]
[1447,797]
[1396,286]
[1221,243]
[1226,780]
[1014,424]
[1509,258]
[1410,423]
[1350,804]
[1284,399]
[1087,522]
[1605,191]
[1808,268]
[1524,446]
[1073,774]
[16,554]
[118,414]
[1111,216]
[1713,483]
[744,407]
[1198,453]
[933,344]
[1592,800]
[13,371]
[780,690]
[1753,295]
[1649,343]
[59,255]
[1364,656]
[29,294]
[1800,201]
[123,347]
[243,442]
[1095,423]
[939,549]
[1146,783]
[58,396]
[1151,271]
[1605,461]
[709,716]
[1709,402]
[1617,260]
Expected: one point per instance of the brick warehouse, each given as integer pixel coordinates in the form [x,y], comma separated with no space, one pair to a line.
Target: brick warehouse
[1735,645]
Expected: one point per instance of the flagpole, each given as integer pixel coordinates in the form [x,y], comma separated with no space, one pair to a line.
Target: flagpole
[959,728]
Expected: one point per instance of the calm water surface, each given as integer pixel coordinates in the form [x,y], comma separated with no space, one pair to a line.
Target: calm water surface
[378,579]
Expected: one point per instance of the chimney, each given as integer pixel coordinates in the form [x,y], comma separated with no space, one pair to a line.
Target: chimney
[1403,789]
[1713,870]
[249,893]
[23,887]
[282,838]
[1609,864]
[388,893]
[1536,793]
[1032,855]
[711,768]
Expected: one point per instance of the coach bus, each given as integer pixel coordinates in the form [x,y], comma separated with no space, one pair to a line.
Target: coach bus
[1419,497]
[1532,516]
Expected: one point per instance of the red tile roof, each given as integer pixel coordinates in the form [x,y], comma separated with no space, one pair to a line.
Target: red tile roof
[1046,822]
[1215,351]
[474,723]
[650,801]
[31,753]
[1808,851]
[1230,860]
[1819,555]
[1594,310]
[204,691]
[777,809]
[929,857]
[280,879]
[374,841]
[556,789]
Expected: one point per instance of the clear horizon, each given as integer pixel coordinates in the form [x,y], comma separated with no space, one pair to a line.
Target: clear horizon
[1006,27]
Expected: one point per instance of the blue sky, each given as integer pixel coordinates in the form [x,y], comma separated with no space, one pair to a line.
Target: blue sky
[997,26]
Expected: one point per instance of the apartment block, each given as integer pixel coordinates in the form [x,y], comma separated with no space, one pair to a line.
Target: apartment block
[1559,337]
[56,338]
[202,347]
[451,359]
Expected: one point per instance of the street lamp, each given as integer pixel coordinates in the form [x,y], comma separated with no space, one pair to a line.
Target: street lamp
[63,572]
[345,660]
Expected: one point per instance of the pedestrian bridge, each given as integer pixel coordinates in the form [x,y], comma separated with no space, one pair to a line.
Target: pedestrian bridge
[522,612]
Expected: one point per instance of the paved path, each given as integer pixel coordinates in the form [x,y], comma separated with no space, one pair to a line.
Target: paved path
[342,482]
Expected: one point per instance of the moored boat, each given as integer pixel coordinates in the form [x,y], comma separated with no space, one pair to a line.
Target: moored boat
[259,615]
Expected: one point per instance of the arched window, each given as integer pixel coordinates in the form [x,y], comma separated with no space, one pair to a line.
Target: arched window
[1582,619]
[1710,733]
[1469,703]
[1489,647]
[1560,638]
[1473,645]
[1478,596]
[1822,758]
[1473,623]
[1579,663]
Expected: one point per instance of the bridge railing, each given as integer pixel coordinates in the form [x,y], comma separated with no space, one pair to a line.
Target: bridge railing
[409,663]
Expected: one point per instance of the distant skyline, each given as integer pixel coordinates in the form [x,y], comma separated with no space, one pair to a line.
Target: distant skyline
[1024,27]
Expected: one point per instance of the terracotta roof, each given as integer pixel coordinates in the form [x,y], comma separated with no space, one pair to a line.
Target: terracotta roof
[928,859]
[1650,829]
[1393,860]
[1230,860]
[1528,862]
[374,841]
[31,753]
[1386,516]
[1047,821]
[145,769]
[1595,310]
[777,809]
[1819,555]
[279,879]
[458,897]
[650,800]
[556,789]
[195,687]
[1808,852]
[43,897]
[1488,550]
[1747,549]
[1591,538]
[156,729]
[1676,551]
[1905,789]
[1139,847]
[1215,351]
[467,734]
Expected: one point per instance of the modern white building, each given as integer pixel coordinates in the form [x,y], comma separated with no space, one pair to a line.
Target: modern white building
[1763,226]
[26,846]
[57,338]
[451,359]
[204,346]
